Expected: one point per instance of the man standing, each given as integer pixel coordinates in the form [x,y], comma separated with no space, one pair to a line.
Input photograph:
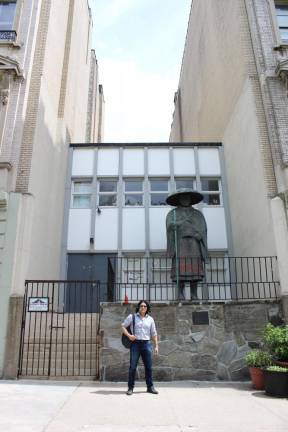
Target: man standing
[144,331]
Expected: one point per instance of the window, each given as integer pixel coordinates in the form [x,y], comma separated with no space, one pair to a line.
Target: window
[184,183]
[210,189]
[158,192]
[107,193]
[81,194]
[133,192]
[282,19]
[7,13]
[161,270]
[132,270]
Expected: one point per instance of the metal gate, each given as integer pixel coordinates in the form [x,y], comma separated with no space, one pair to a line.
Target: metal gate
[60,329]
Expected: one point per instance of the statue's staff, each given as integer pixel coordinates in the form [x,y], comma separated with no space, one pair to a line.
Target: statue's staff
[176,250]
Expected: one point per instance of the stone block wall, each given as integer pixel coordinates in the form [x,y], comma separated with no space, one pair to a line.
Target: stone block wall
[188,351]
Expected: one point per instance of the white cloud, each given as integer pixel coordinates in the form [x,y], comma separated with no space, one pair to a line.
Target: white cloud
[139,105]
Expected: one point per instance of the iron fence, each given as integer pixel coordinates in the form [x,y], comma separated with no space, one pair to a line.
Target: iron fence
[60,329]
[216,279]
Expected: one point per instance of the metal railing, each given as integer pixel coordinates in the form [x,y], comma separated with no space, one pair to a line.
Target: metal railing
[219,278]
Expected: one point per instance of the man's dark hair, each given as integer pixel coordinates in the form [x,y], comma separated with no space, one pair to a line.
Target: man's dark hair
[147,304]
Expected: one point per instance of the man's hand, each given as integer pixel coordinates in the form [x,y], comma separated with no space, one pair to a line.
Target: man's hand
[132,338]
[156,350]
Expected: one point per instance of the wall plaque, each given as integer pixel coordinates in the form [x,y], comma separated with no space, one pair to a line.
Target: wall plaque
[200,318]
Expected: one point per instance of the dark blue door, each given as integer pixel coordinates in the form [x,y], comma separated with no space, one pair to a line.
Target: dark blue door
[91,277]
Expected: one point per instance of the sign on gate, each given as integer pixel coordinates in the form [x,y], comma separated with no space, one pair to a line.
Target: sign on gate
[38,304]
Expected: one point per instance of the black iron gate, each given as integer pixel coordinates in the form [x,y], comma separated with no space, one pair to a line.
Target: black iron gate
[60,329]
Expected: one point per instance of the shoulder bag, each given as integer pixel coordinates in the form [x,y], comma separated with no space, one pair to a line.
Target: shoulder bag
[126,342]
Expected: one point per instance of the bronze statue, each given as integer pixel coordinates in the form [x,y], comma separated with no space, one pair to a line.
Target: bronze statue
[186,240]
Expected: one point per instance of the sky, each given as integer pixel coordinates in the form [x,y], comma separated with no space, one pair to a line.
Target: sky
[139,46]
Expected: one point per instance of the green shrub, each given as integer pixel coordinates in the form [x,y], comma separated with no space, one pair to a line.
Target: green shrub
[258,358]
[276,369]
[276,340]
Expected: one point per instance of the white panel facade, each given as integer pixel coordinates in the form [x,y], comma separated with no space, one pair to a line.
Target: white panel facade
[106,230]
[216,226]
[79,224]
[184,162]
[108,162]
[133,162]
[133,232]
[158,162]
[209,161]
[157,221]
[83,162]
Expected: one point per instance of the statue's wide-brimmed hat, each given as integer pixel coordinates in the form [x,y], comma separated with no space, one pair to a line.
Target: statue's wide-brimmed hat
[174,198]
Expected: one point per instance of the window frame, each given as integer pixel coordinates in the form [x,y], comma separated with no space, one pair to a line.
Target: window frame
[99,193]
[142,193]
[185,178]
[273,4]
[168,179]
[208,192]
[87,180]
[15,23]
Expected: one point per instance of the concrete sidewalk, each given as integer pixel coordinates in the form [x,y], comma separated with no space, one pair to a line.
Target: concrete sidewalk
[54,406]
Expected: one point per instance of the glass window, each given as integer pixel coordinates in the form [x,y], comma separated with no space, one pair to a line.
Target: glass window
[282,18]
[161,269]
[159,185]
[133,186]
[81,194]
[133,200]
[108,186]
[132,270]
[158,192]
[209,185]
[7,13]
[184,183]
[158,199]
[107,200]
[134,197]
[107,193]
[211,199]
[210,188]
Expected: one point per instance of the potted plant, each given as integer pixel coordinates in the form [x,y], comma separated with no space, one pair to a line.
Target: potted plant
[256,361]
[276,340]
[276,381]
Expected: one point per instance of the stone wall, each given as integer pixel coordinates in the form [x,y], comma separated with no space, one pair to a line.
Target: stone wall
[213,351]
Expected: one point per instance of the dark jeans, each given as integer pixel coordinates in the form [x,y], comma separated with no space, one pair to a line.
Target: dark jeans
[144,349]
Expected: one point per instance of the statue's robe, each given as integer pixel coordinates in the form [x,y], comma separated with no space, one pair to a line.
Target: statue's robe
[187,240]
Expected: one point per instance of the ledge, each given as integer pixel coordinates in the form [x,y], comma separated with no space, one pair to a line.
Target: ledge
[6,165]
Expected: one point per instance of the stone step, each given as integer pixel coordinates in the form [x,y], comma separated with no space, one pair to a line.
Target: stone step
[58,364]
[65,340]
[60,354]
[64,374]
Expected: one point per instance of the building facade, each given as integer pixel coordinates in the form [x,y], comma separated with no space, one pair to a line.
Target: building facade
[233,89]
[116,209]
[50,96]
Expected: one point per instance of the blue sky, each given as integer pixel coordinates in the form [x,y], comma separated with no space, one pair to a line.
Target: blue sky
[139,46]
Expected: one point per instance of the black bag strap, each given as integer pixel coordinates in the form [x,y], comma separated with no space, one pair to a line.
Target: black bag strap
[133,324]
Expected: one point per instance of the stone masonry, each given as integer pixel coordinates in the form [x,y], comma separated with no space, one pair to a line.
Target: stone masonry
[188,351]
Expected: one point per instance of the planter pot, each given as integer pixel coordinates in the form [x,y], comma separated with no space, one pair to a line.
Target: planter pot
[257,378]
[276,383]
